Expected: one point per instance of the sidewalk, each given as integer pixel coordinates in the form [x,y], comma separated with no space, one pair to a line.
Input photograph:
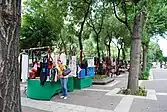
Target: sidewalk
[98,98]
[159,84]
[92,99]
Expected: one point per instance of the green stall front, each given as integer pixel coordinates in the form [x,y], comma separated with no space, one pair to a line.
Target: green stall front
[46,92]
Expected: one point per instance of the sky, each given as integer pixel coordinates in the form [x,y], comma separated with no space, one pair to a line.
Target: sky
[163,45]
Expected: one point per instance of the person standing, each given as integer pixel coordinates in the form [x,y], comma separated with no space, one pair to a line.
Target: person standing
[63,79]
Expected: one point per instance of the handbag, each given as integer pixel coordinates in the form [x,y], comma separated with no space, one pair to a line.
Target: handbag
[66,72]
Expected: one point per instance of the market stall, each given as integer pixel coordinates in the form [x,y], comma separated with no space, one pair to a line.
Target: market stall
[85,74]
[43,82]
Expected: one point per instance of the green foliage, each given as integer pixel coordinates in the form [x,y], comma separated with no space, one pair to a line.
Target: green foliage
[155,53]
[144,75]
[165,59]
[99,77]
[140,92]
[35,31]
[58,22]
[149,65]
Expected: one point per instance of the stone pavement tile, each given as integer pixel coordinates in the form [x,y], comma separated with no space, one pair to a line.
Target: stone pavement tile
[90,109]
[75,100]
[91,99]
[157,85]
[79,96]
[102,110]
[125,104]
[159,74]
[75,111]
[162,102]
[108,102]
[100,87]
[94,94]
[41,105]
[80,108]
[69,106]
[122,84]
[143,105]
[28,109]
[62,109]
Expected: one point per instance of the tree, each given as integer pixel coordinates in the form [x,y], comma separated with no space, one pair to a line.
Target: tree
[155,51]
[134,17]
[10,13]
[155,24]
[113,29]
[36,28]
[80,11]
[96,23]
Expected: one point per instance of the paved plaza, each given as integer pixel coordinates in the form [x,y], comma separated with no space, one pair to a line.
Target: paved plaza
[103,98]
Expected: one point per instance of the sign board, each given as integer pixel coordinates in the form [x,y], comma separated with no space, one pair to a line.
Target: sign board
[90,62]
[63,59]
[72,66]
[24,67]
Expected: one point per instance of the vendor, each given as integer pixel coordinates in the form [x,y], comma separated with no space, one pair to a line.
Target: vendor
[63,79]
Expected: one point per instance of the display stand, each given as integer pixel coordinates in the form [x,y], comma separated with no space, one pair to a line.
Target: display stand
[82,82]
[70,84]
[35,91]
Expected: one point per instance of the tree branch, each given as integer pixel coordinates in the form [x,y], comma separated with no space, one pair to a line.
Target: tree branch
[86,1]
[115,13]
[102,19]
[92,26]
[82,25]
[125,12]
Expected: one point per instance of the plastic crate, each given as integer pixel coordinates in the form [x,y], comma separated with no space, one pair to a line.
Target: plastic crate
[90,71]
[81,74]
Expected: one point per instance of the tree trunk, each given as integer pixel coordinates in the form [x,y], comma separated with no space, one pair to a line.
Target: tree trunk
[81,49]
[10,13]
[98,53]
[109,49]
[80,33]
[98,49]
[123,54]
[64,45]
[145,50]
[135,53]
[117,62]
